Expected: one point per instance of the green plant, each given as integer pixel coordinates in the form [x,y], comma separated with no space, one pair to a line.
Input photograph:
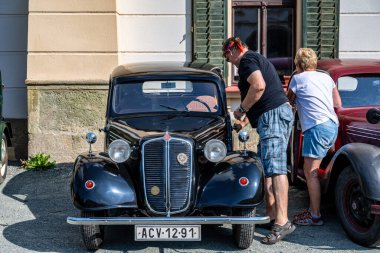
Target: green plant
[39,161]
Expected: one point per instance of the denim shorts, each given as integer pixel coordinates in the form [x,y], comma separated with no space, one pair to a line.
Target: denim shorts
[319,139]
[274,128]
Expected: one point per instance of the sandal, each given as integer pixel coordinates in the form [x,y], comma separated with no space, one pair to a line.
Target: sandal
[268,226]
[278,233]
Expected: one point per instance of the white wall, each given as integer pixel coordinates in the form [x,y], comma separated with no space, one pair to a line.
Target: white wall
[154,30]
[13,53]
[359,31]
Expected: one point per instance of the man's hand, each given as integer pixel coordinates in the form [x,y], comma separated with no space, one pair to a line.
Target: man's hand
[240,124]
[237,127]
[238,114]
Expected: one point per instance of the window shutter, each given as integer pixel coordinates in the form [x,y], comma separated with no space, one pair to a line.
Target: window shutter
[208,31]
[320,27]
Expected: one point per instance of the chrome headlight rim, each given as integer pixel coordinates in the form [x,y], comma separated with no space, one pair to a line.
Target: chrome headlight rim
[215,150]
[119,151]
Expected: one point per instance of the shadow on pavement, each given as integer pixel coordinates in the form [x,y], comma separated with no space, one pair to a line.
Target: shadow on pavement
[47,195]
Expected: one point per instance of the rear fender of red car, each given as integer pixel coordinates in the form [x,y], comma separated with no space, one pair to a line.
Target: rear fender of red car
[365,161]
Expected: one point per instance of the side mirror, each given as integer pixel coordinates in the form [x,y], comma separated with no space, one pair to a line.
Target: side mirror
[91,139]
[243,137]
[373,116]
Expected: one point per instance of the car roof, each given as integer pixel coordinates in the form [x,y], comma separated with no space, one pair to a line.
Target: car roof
[147,68]
[340,67]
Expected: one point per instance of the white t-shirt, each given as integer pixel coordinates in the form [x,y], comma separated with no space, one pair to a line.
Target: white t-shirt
[314,100]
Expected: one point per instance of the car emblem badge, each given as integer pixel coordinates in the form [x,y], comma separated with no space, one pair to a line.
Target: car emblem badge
[167,136]
[155,190]
[182,158]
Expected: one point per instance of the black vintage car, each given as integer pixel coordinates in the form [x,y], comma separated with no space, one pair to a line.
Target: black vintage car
[168,165]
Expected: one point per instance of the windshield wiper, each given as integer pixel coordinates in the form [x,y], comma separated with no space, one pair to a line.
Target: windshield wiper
[169,107]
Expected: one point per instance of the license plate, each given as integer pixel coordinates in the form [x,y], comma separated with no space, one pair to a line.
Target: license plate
[168,233]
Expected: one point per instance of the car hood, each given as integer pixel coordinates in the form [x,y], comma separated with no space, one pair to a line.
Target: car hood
[196,127]
[356,128]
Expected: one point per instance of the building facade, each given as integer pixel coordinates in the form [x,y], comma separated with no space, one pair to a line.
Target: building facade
[56,56]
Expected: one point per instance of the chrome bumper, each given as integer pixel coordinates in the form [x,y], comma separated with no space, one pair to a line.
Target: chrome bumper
[167,220]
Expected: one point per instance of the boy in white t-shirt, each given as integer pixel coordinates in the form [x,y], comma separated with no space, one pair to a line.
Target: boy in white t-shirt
[316,95]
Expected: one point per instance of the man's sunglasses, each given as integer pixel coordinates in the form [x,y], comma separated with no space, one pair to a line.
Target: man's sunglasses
[228,50]
[225,55]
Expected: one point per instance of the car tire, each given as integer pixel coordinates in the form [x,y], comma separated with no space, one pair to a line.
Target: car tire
[353,210]
[243,233]
[4,159]
[292,156]
[93,235]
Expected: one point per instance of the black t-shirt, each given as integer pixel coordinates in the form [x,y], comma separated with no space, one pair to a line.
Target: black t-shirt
[273,95]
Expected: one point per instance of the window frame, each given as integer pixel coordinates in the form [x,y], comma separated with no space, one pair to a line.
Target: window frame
[263,6]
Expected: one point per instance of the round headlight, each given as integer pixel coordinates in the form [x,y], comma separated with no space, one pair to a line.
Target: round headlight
[119,151]
[215,150]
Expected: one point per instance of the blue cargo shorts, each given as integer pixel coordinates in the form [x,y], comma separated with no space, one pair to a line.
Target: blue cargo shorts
[274,128]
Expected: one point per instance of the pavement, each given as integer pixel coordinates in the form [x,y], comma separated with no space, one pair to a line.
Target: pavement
[34,206]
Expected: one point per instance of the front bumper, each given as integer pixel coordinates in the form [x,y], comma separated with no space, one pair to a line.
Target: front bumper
[168,220]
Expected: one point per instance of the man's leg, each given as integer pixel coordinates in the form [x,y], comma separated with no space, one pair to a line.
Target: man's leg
[269,199]
[310,168]
[280,191]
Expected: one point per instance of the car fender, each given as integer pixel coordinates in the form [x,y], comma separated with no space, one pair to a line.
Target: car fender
[223,188]
[112,189]
[365,161]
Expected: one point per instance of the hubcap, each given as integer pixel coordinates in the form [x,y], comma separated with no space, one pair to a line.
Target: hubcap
[358,211]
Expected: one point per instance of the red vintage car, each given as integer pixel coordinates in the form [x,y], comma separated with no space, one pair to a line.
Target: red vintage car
[351,170]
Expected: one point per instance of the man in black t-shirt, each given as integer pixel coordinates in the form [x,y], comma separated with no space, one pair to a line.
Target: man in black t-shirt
[264,101]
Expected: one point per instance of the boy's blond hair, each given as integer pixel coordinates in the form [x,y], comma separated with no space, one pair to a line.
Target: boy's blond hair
[305,59]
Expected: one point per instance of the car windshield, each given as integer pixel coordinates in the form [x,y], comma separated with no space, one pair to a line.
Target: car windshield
[359,90]
[165,96]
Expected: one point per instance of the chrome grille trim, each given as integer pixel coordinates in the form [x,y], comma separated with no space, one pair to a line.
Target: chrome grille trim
[363,132]
[166,155]
[114,136]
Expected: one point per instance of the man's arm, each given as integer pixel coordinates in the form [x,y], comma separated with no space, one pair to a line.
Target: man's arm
[255,91]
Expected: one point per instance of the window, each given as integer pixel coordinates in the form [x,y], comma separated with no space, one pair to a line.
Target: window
[267,29]
[359,90]
[174,96]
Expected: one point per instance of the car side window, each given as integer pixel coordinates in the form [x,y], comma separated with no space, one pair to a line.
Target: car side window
[358,91]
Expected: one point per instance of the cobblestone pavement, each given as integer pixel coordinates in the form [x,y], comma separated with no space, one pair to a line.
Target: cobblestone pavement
[34,206]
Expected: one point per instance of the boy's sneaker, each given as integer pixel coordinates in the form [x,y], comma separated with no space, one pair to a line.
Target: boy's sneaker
[307,219]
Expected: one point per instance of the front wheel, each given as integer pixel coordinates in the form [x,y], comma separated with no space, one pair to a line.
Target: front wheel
[243,233]
[353,209]
[93,235]
[4,159]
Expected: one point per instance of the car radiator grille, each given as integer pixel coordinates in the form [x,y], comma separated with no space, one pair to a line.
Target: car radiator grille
[167,177]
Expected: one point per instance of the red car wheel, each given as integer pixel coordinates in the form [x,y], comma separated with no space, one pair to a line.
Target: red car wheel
[353,209]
